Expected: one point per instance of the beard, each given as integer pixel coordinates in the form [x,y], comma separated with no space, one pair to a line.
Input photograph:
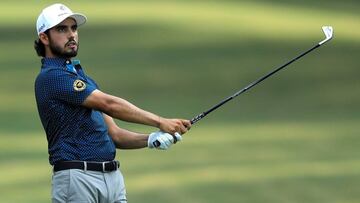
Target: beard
[61,52]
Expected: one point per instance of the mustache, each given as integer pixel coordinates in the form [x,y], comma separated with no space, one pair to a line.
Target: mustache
[71,42]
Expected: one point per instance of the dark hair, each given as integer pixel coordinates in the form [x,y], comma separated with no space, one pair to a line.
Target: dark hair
[39,46]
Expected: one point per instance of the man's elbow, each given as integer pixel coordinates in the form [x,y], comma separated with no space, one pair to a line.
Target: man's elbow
[101,102]
[108,106]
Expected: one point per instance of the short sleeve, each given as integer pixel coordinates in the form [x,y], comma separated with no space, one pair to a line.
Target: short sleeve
[67,87]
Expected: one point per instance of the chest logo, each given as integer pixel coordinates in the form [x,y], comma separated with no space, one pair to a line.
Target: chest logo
[79,85]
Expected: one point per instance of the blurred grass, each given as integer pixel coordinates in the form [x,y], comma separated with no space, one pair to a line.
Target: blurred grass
[272,162]
[293,138]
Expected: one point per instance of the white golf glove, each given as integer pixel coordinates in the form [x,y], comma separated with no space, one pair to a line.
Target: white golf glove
[161,140]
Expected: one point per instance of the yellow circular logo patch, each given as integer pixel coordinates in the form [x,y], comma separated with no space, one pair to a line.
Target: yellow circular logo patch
[79,85]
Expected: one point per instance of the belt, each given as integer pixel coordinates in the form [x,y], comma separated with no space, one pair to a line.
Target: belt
[104,167]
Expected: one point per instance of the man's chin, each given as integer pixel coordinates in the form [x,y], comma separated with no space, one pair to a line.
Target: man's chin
[66,54]
[69,54]
[73,54]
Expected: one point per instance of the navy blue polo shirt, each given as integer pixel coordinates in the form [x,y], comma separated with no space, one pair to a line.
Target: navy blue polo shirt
[73,131]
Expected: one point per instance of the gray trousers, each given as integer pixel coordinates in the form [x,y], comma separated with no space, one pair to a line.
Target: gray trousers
[75,185]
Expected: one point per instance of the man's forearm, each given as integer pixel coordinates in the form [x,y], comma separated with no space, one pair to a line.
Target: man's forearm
[125,139]
[124,110]
[121,109]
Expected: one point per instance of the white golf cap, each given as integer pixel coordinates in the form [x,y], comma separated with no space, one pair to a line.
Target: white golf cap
[55,14]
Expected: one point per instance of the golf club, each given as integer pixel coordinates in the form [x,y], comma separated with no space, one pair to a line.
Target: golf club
[328,31]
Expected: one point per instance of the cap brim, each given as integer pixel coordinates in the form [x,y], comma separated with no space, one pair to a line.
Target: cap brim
[79,18]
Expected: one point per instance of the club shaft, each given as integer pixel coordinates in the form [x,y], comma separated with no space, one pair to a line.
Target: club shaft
[203,114]
[328,31]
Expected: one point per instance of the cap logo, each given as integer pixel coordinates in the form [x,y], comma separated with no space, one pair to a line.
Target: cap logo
[79,85]
[41,27]
[61,14]
[64,10]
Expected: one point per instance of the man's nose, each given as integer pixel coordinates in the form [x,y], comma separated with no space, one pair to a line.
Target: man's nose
[72,34]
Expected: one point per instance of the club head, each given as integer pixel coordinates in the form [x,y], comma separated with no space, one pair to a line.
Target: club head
[328,31]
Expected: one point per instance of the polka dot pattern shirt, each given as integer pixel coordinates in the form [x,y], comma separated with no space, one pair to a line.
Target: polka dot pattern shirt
[73,131]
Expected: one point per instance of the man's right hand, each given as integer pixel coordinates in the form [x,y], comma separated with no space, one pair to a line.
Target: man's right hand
[173,126]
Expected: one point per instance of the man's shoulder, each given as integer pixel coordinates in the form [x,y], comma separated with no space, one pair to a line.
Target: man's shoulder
[52,74]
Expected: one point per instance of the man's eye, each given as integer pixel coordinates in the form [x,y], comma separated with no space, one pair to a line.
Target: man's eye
[60,29]
[74,28]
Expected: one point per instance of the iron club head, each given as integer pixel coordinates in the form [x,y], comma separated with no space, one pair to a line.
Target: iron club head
[328,31]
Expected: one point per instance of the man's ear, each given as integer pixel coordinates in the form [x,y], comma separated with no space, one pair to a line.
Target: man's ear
[44,38]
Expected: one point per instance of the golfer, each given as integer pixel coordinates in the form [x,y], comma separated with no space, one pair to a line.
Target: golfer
[78,117]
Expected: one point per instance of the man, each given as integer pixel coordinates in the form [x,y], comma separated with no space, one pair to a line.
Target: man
[78,118]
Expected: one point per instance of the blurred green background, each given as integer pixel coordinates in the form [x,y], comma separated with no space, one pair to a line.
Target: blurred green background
[293,138]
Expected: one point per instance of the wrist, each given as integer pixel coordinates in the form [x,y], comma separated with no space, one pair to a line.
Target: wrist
[158,122]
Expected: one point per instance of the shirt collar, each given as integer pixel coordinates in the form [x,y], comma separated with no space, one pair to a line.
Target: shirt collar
[55,62]
[59,62]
